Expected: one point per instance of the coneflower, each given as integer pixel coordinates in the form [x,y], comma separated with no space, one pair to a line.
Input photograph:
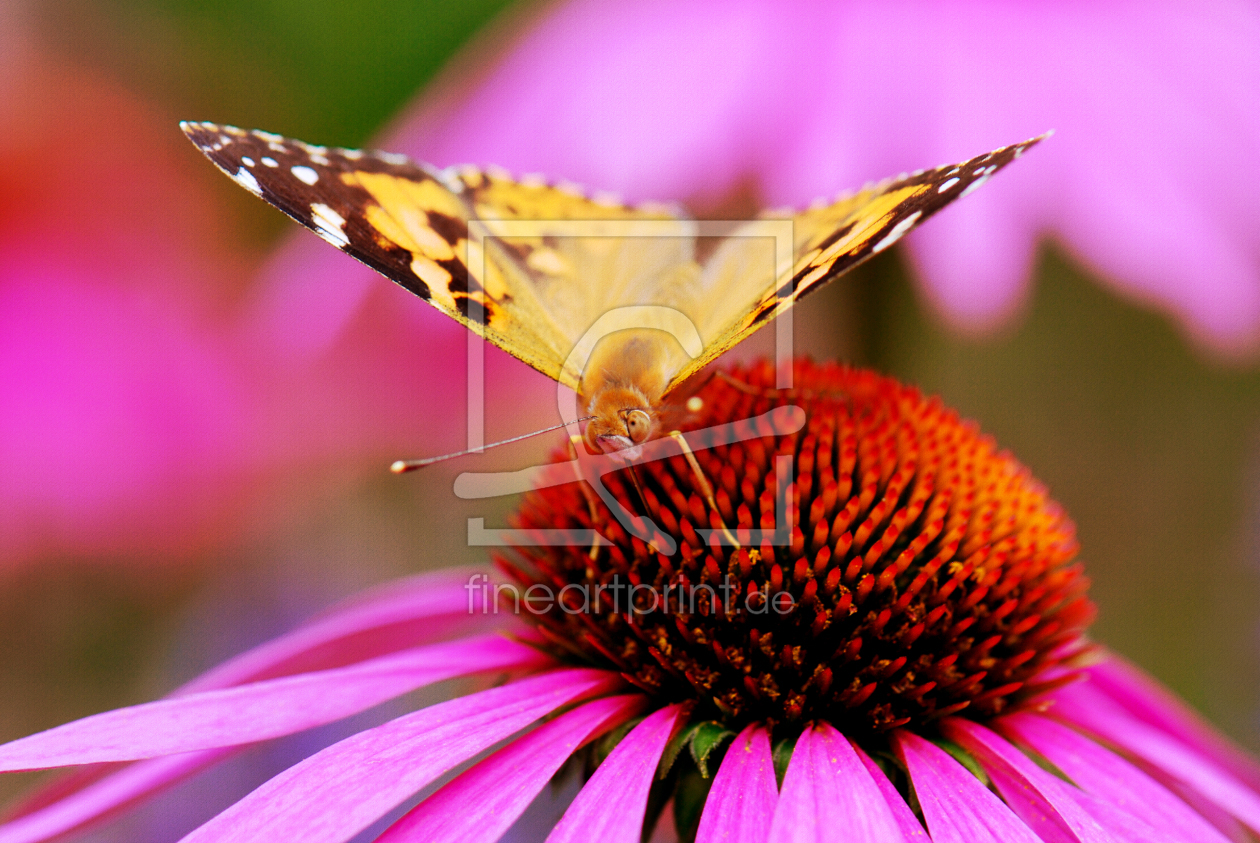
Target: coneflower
[863,624]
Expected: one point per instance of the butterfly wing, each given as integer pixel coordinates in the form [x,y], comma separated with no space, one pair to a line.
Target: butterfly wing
[827,242]
[438,234]
[532,265]
[586,256]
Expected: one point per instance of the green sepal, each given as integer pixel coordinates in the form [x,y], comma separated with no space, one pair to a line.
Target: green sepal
[899,777]
[603,747]
[674,748]
[964,758]
[707,737]
[700,739]
[782,754]
[885,761]
[584,762]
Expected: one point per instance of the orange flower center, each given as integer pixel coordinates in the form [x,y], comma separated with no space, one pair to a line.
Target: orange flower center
[881,564]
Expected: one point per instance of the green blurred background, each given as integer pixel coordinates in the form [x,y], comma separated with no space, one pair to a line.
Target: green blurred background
[1149,444]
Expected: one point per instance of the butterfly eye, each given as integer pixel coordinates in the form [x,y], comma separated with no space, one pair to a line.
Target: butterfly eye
[638,424]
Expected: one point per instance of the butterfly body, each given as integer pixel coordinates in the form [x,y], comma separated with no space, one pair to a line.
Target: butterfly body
[625,386]
[613,301]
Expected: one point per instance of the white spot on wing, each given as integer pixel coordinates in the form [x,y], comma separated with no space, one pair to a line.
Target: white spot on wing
[270,162]
[328,224]
[320,159]
[395,158]
[304,174]
[246,180]
[247,161]
[450,180]
[946,185]
[897,232]
[973,186]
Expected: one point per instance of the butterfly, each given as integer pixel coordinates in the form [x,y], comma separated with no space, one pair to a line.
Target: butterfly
[623,304]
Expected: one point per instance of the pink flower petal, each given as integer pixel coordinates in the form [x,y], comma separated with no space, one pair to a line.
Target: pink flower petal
[911,828]
[1042,801]
[740,805]
[261,710]
[827,787]
[1138,693]
[500,788]
[103,797]
[611,806]
[977,286]
[1109,777]
[957,807]
[377,621]
[336,793]
[1157,750]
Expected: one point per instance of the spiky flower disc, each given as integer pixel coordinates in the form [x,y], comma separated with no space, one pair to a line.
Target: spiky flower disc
[925,572]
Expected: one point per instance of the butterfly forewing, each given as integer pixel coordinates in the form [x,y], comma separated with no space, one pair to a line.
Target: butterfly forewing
[406,221]
[827,242]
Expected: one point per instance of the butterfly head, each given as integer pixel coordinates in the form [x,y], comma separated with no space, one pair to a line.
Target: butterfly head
[624,419]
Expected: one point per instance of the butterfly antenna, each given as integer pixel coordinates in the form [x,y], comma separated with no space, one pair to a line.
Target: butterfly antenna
[403,466]
[791,394]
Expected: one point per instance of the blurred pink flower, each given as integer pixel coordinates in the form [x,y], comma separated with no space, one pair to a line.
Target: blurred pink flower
[138,421]
[1148,181]
[123,414]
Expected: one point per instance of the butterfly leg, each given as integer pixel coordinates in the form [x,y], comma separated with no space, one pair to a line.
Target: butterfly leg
[634,479]
[706,487]
[575,442]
